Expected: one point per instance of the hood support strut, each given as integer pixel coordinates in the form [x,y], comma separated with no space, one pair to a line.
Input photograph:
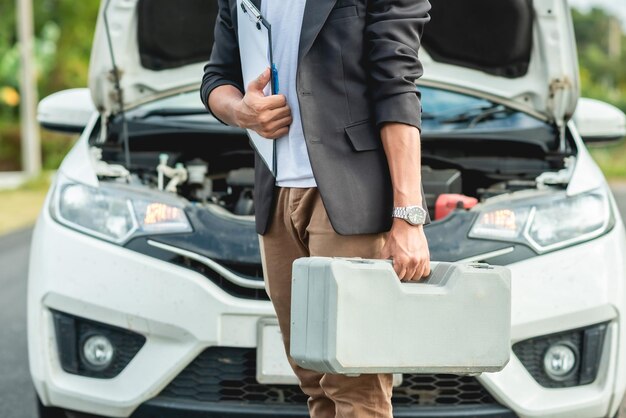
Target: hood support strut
[118,88]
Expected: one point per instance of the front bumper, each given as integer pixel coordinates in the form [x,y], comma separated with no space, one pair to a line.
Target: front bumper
[167,408]
[181,313]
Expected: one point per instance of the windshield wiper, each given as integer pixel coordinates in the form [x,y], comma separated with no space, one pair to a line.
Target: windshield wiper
[476,115]
[170,111]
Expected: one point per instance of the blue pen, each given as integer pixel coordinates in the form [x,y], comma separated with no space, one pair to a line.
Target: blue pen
[275,88]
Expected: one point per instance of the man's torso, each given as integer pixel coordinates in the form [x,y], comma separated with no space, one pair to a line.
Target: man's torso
[339,122]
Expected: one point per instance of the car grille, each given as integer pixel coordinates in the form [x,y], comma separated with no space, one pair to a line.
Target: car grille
[223,374]
[226,285]
[251,271]
[439,390]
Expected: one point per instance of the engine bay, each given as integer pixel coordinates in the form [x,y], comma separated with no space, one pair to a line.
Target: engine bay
[218,168]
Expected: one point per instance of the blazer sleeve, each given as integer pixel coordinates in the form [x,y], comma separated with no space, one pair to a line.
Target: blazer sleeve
[224,66]
[393,35]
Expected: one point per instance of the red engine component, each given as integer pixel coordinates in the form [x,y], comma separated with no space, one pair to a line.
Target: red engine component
[448,202]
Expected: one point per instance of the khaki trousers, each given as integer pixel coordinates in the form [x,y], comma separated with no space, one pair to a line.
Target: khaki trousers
[300,228]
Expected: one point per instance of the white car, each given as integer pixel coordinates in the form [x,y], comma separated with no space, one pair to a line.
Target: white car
[145,289]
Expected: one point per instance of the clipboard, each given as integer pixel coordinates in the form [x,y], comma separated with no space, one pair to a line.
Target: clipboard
[255,49]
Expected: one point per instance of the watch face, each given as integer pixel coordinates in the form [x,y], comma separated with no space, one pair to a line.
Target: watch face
[416,215]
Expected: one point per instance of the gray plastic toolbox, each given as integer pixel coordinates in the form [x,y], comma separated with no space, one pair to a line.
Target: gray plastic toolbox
[353,316]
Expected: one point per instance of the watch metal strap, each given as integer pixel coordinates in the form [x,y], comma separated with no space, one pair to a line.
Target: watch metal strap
[400,212]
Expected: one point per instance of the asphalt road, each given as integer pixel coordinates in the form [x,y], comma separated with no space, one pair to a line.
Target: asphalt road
[17,397]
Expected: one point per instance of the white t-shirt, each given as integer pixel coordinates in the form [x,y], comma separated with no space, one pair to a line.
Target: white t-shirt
[293,167]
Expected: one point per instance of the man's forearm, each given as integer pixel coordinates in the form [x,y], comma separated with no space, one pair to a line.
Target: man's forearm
[406,244]
[222,102]
[402,147]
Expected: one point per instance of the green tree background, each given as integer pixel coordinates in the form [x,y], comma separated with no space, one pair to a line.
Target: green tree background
[603,75]
[64,31]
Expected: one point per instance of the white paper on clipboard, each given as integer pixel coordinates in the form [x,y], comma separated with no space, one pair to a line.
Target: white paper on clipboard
[255,50]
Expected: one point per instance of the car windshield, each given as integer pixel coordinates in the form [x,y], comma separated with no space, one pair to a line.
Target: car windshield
[443,111]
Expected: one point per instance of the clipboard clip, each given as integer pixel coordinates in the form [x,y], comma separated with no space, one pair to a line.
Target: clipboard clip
[251,11]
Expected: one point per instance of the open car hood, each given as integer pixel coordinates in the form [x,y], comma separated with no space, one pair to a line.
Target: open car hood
[517,52]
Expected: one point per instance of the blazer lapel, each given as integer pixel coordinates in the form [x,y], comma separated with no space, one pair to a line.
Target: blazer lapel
[315,14]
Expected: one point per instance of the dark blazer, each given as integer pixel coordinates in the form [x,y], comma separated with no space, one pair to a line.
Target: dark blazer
[358,62]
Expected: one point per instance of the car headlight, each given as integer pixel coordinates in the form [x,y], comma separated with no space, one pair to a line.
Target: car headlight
[114,212]
[546,223]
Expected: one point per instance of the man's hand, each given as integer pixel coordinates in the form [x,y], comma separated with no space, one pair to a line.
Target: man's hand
[406,245]
[269,116]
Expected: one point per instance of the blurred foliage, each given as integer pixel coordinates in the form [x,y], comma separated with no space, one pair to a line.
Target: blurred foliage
[611,159]
[603,76]
[64,31]
[63,34]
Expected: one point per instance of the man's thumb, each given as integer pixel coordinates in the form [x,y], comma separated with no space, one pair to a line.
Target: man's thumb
[259,83]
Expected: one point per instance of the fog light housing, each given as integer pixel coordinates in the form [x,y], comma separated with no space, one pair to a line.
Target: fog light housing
[94,349]
[98,352]
[560,361]
[565,359]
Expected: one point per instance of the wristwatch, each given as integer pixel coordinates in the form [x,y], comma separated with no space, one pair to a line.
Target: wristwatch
[414,215]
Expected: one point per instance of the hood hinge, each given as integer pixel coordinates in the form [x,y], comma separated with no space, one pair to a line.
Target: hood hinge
[558,88]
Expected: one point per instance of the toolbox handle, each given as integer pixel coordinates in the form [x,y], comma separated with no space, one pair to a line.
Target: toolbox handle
[432,278]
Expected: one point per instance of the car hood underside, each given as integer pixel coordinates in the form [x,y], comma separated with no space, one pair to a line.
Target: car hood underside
[518,52]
